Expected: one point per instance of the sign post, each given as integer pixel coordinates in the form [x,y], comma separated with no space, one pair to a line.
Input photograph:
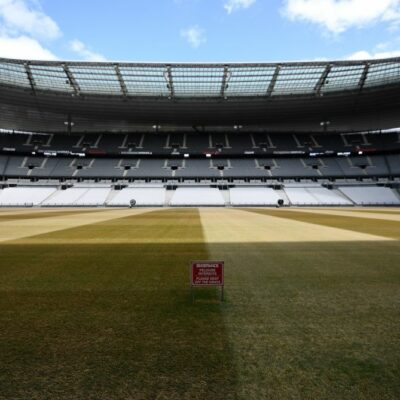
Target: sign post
[207,274]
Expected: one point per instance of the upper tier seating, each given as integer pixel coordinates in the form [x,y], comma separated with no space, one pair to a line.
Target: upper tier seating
[158,168]
[197,169]
[200,143]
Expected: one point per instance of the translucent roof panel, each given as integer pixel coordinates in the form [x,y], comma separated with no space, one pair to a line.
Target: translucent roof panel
[249,81]
[96,79]
[145,81]
[297,80]
[343,77]
[48,77]
[14,74]
[196,81]
[199,80]
[383,74]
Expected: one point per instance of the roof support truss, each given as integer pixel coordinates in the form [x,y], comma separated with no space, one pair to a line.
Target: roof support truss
[271,85]
[170,82]
[322,80]
[30,77]
[71,79]
[225,81]
[121,81]
[363,76]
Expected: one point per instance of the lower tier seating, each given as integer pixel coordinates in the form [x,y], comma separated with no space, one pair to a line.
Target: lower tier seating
[253,196]
[197,197]
[142,197]
[106,195]
[25,196]
[371,195]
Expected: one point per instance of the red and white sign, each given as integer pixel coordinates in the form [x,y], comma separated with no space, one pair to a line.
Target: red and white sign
[207,273]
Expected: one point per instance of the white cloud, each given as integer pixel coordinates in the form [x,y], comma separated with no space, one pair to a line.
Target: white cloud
[23,26]
[194,35]
[24,47]
[337,16]
[366,55]
[234,5]
[84,52]
[26,17]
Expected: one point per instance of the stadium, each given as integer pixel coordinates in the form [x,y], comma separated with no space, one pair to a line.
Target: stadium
[103,134]
[125,185]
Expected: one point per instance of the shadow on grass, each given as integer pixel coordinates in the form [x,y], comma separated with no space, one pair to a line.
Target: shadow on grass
[110,322]
[313,320]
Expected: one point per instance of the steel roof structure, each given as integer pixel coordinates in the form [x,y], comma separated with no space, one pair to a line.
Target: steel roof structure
[42,93]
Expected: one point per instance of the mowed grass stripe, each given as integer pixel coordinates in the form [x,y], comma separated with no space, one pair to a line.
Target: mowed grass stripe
[235,225]
[355,214]
[146,227]
[112,321]
[43,214]
[23,228]
[313,320]
[385,228]
[393,211]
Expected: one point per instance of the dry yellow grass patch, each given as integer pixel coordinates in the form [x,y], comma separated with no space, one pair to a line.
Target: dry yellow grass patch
[354,213]
[21,228]
[236,226]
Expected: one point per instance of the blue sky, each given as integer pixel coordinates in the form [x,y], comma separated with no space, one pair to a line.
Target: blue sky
[199,30]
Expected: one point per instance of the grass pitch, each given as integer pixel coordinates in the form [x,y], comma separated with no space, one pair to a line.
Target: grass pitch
[102,310]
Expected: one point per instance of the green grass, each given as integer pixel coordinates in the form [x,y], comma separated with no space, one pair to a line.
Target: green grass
[314,320]
[111,321]
[115,321]
[40,215]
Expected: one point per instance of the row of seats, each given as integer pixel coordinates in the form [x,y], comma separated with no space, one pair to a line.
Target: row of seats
[197,196]
[232,142]
[40,167]
[315,196]
[371,195]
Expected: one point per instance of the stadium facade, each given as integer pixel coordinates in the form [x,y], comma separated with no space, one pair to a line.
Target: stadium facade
[310,133]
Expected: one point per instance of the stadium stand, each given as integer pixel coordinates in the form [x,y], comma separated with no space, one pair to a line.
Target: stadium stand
[371,195]
[300,196]
[93,197]
[197,196]
[250,196]
[24,196]
[196,144]
[165,144]
[328,197]
[67,197]
[143,196]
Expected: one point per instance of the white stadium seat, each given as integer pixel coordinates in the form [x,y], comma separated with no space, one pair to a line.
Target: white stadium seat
[253,196]
[197,197]
[142,197]
[371,195]
[25,196]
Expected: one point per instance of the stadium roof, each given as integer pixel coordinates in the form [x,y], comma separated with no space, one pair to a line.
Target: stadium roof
[202,94]
[198,80]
